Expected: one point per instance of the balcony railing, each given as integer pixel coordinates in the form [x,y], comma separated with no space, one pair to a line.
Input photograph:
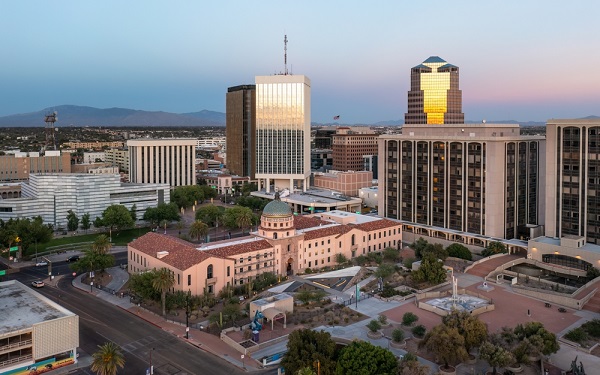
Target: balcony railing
[11,346]
[12,361]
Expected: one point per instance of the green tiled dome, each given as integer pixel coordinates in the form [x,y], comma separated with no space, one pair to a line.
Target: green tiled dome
[277,208]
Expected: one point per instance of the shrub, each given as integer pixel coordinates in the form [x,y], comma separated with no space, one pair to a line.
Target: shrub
[388,291]
[308,271]
[419,331]
[382,320]
[577,335]
[592,327]
[409,319]
[459,251]
[408,262]
[374,326]
[397,335]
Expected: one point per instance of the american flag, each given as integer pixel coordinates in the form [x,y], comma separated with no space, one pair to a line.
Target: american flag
[336,117]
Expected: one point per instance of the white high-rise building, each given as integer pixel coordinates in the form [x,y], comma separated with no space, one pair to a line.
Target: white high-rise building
[167,161]
[283,131]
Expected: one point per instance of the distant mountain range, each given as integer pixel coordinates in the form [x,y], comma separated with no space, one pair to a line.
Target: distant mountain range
[73,115]
[89,116]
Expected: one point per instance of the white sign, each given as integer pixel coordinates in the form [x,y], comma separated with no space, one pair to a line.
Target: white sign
[242,356]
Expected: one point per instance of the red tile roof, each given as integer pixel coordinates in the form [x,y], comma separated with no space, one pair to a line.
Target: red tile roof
[303,222]
[182,254]
[326,232]
[246,247]
[376,225]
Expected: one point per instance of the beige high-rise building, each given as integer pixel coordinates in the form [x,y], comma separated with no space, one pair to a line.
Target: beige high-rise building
[168,161]
[118,157]
[483,179]
[283,131]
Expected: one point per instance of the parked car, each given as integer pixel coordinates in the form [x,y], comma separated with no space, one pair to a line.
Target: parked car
[41,264]
[73,258]
[37,284]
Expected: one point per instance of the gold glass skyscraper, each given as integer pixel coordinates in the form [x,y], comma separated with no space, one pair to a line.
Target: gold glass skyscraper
[434,97]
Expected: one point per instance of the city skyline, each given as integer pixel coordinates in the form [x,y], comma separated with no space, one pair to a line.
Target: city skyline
[518,61]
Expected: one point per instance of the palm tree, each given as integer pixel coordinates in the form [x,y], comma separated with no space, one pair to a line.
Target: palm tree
[101,244]
[198,229]
[106,360]
[163,281]
[180,225]
[244,219]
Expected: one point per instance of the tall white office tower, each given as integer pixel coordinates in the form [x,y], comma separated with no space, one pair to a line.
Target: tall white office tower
[283,132]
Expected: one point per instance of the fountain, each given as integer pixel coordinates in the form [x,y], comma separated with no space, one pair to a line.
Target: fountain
[456,301]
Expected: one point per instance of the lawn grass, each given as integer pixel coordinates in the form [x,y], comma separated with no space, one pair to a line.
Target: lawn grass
[121,238]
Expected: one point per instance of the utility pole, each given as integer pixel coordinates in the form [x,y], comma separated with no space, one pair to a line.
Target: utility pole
[187,315]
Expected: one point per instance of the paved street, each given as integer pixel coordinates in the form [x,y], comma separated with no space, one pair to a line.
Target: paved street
[101,322]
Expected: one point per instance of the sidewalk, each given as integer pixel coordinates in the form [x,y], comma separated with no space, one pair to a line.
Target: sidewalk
[200,339]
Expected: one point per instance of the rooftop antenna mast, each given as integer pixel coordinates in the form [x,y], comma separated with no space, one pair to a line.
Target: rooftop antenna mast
[50,119]
[285,54]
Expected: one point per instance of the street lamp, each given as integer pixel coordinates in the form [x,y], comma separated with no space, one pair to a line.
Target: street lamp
[187,314]
[151,367]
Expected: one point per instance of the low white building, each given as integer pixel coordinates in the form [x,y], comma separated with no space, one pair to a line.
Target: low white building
[52,195]
[369,196]
[93,157]
[34,331]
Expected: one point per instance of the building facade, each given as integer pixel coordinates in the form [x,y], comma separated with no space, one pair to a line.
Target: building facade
[97,145]
[118,157]
[434,96]
[17,167]
[351,145]
[162,161]
[283,131]
[284,244]
[34,331]
[346,183]
[572,204]
[51,196]
[240,129]
[482,179]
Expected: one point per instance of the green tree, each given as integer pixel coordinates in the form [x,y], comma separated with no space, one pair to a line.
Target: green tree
[409,365]
[418,246]
[92,261]
[208,192]
[446,343]
[390,254]
[210,214]
[72,220]
[164,211]
[543,341]
[162,282]
[133,213]
[457,250]
[397,335]
[592,273]
[98,223]
[85,222]
[493,248]
[117,216]
[473,330]
[304,296]
[341,259]
[374,326]
[436,249]
[142,285]
[385,270]
[108,359]
[244,218]
[408,319]
[180,225]
[186,196]
[230,216]
[361,357]
[254,203]
[495,355]
[101,244]
[305,347]
[198,229]
[306,371]
[231,311]
[29,231]
[248,188]
[431,270]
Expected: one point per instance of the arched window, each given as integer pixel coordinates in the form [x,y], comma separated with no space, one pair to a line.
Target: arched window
[209,271]
[353,240]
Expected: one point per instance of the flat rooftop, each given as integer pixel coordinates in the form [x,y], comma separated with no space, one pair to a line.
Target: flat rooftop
[21,307]
[316,196]
[556,242]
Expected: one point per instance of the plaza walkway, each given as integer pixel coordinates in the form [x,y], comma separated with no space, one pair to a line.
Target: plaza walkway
[484,268]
